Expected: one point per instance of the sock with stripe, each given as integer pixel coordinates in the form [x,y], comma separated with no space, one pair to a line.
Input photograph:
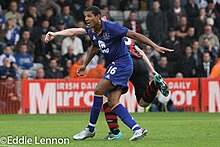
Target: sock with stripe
[124,115]
[94,114]
[150,93]
[111,119]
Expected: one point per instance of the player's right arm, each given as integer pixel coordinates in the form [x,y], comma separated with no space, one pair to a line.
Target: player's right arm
[67,32]
[90,54]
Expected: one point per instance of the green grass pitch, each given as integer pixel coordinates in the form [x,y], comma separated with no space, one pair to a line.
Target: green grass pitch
[165,129]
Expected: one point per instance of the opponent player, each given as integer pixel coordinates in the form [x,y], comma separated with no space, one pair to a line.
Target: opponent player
[145,92]
[108,37]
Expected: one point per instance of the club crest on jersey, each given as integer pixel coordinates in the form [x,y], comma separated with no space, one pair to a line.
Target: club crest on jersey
[106,36]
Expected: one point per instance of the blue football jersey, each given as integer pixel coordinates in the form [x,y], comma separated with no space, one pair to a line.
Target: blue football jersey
[110,41]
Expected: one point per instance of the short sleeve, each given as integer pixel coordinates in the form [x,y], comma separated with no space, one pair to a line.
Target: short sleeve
[119,30]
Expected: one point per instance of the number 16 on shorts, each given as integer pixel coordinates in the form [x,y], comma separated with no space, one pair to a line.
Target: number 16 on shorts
[112,70]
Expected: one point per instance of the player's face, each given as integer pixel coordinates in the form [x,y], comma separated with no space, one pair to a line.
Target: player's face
[90,19]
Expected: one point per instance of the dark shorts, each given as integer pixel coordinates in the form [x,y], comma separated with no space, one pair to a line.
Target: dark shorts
[140,77]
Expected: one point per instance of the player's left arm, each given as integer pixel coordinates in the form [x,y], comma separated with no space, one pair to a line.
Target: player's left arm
[151,68]
[141,38]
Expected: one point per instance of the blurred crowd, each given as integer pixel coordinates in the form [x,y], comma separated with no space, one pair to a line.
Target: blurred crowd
[190,27]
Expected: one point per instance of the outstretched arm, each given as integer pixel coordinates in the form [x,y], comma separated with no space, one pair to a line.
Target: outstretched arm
[151,68]
[141,38]
[68,32]
[90,54]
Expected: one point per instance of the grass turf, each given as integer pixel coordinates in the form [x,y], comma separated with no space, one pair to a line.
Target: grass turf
[165,129]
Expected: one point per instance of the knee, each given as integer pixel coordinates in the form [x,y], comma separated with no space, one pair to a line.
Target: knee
[111,103]
[142,103]
[98,91]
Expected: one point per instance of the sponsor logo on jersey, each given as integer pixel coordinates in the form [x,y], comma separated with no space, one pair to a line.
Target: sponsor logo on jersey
[102,47]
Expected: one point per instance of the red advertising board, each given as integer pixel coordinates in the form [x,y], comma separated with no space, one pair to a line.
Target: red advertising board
[184,94]
[210,100]
[57,96]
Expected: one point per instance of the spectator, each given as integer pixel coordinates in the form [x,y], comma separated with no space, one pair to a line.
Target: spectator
[187,63]
[174,14]
[208,47]
[24,75]
[76,65]
[7,70]
[50,17]
[68,56]
[75,42]
[40,73]
[157,24]
[43,29]
[192,11]
[67,68]
[99,70]
[174,43]
[210,21]
[11,33]
[133,23]
[215,73]
[53,72]
[204,69]
[182,29]
[67,18]
[29,25]
[63,3]
[211,9]
[13,14]
[33,13]
[197,54]
[42,5]
[190,37]
[210,35]
[79,6]
[179,75]
[9,54]
[23,59]
[199,22]
[163,68]
[25,39]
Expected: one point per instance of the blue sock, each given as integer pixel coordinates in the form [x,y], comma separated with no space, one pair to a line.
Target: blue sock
[125,116]
[94,114]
